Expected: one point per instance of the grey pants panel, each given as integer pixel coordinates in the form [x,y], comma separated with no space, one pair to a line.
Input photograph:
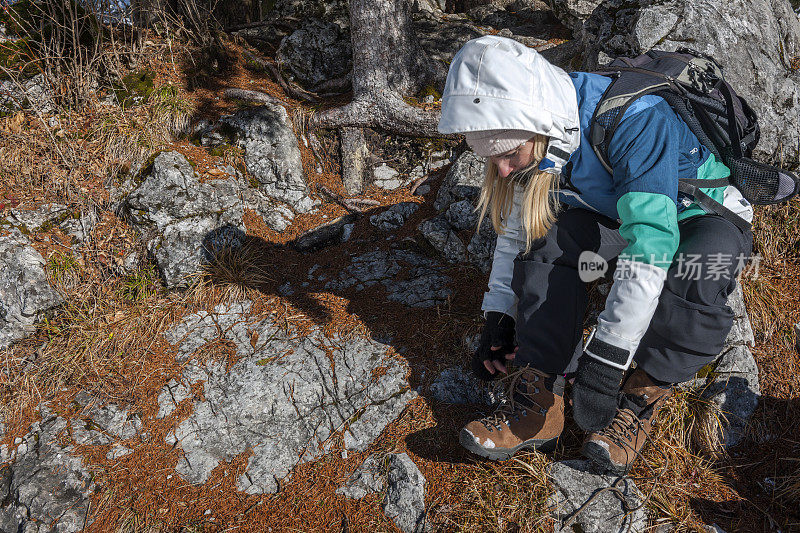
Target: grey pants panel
[691,320]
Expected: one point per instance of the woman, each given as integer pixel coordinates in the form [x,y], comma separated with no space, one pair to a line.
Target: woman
[556,209]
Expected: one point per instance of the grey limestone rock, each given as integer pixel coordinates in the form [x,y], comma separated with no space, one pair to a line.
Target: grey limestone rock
[424,284]
[735,388]
[456,385]
[317,52]
[387,178]
[461,215]
[574,482]
[34,93]
[394,217]
[463,181]
[272,155]
[35,219]
[481,246]
[405,494]
[739,34]
[45,488]
[438,232]
[182,219]
[117,452]
[25,293]
[368,478]
[170,396]
[283,399]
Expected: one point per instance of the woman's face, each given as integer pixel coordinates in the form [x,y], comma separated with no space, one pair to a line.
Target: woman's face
[514,160]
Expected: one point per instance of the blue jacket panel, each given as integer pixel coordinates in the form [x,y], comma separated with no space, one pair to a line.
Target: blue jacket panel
[651,149]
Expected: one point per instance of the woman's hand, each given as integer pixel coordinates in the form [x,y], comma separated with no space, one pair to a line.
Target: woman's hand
[494,364]
[496,346]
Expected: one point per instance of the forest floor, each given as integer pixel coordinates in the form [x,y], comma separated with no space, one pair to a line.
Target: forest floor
[104,340]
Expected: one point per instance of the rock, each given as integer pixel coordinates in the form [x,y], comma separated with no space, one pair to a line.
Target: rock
[36,219]
[182,220]
[284,397]
[405,494]
[739,34]
[481,246]
[170,396]
[45,484]
[461,215]
[440,40]
[736,390]
[35,93]
[574,482]
[80,227]
[334,232]
[25,293]
[463,181]
[272,155]
[117,452]
[456,385]
[441,236]
[387,178]
[394,217]
[368,478]
[422,285]
[316,53]
[741,331]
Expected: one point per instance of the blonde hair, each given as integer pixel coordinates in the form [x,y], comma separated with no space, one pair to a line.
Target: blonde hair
[539,197]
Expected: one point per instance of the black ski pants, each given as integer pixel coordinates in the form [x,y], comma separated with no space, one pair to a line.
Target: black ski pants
[692,318]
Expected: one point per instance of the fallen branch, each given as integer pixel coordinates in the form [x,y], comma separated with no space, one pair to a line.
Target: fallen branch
[351,204]
[253,96]
[323,235]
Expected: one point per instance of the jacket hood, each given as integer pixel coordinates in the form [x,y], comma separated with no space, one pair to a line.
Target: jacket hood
[496,83]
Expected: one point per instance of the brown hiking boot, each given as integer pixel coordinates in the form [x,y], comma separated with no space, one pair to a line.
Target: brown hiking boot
[616,447]
[532,417]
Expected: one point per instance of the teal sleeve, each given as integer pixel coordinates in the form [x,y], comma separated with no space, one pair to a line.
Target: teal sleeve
[649,222]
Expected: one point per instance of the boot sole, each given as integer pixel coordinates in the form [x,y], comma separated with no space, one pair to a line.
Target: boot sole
[600,456]
[503,454]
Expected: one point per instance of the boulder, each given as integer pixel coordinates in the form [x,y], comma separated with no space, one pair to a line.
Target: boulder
[368,478]
[756,42]
[45,486]
[272,155]
[441,236]
[394,217]
[178,215]
[462,182]
[575,482]
[481,246]
[733,385]
[423,284]
[282,400]
[25,293]
[34,93]
[316,53]
[185,222]
[405,494]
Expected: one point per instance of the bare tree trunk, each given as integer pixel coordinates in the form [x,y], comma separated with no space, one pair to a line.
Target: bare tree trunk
[387,63]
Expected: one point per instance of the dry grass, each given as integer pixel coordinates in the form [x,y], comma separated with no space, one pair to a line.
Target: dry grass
[680,461]
[504,496]
[237,269]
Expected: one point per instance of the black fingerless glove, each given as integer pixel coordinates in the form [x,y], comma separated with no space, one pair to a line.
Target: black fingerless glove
[596,388]
[498,331]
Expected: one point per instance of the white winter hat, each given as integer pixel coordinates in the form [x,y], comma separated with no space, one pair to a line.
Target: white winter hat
[489,143]
[495,83]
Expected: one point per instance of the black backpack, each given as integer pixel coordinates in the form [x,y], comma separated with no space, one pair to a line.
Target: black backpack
[693,85]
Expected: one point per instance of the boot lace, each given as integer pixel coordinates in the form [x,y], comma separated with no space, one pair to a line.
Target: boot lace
[623,429]
[511,408]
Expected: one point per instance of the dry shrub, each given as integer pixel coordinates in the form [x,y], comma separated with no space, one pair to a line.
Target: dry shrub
[236,269]
[504,496]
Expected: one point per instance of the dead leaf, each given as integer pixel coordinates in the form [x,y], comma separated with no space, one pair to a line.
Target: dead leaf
[16,122]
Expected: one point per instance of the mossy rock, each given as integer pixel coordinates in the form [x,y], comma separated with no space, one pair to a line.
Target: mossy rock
[134,88]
